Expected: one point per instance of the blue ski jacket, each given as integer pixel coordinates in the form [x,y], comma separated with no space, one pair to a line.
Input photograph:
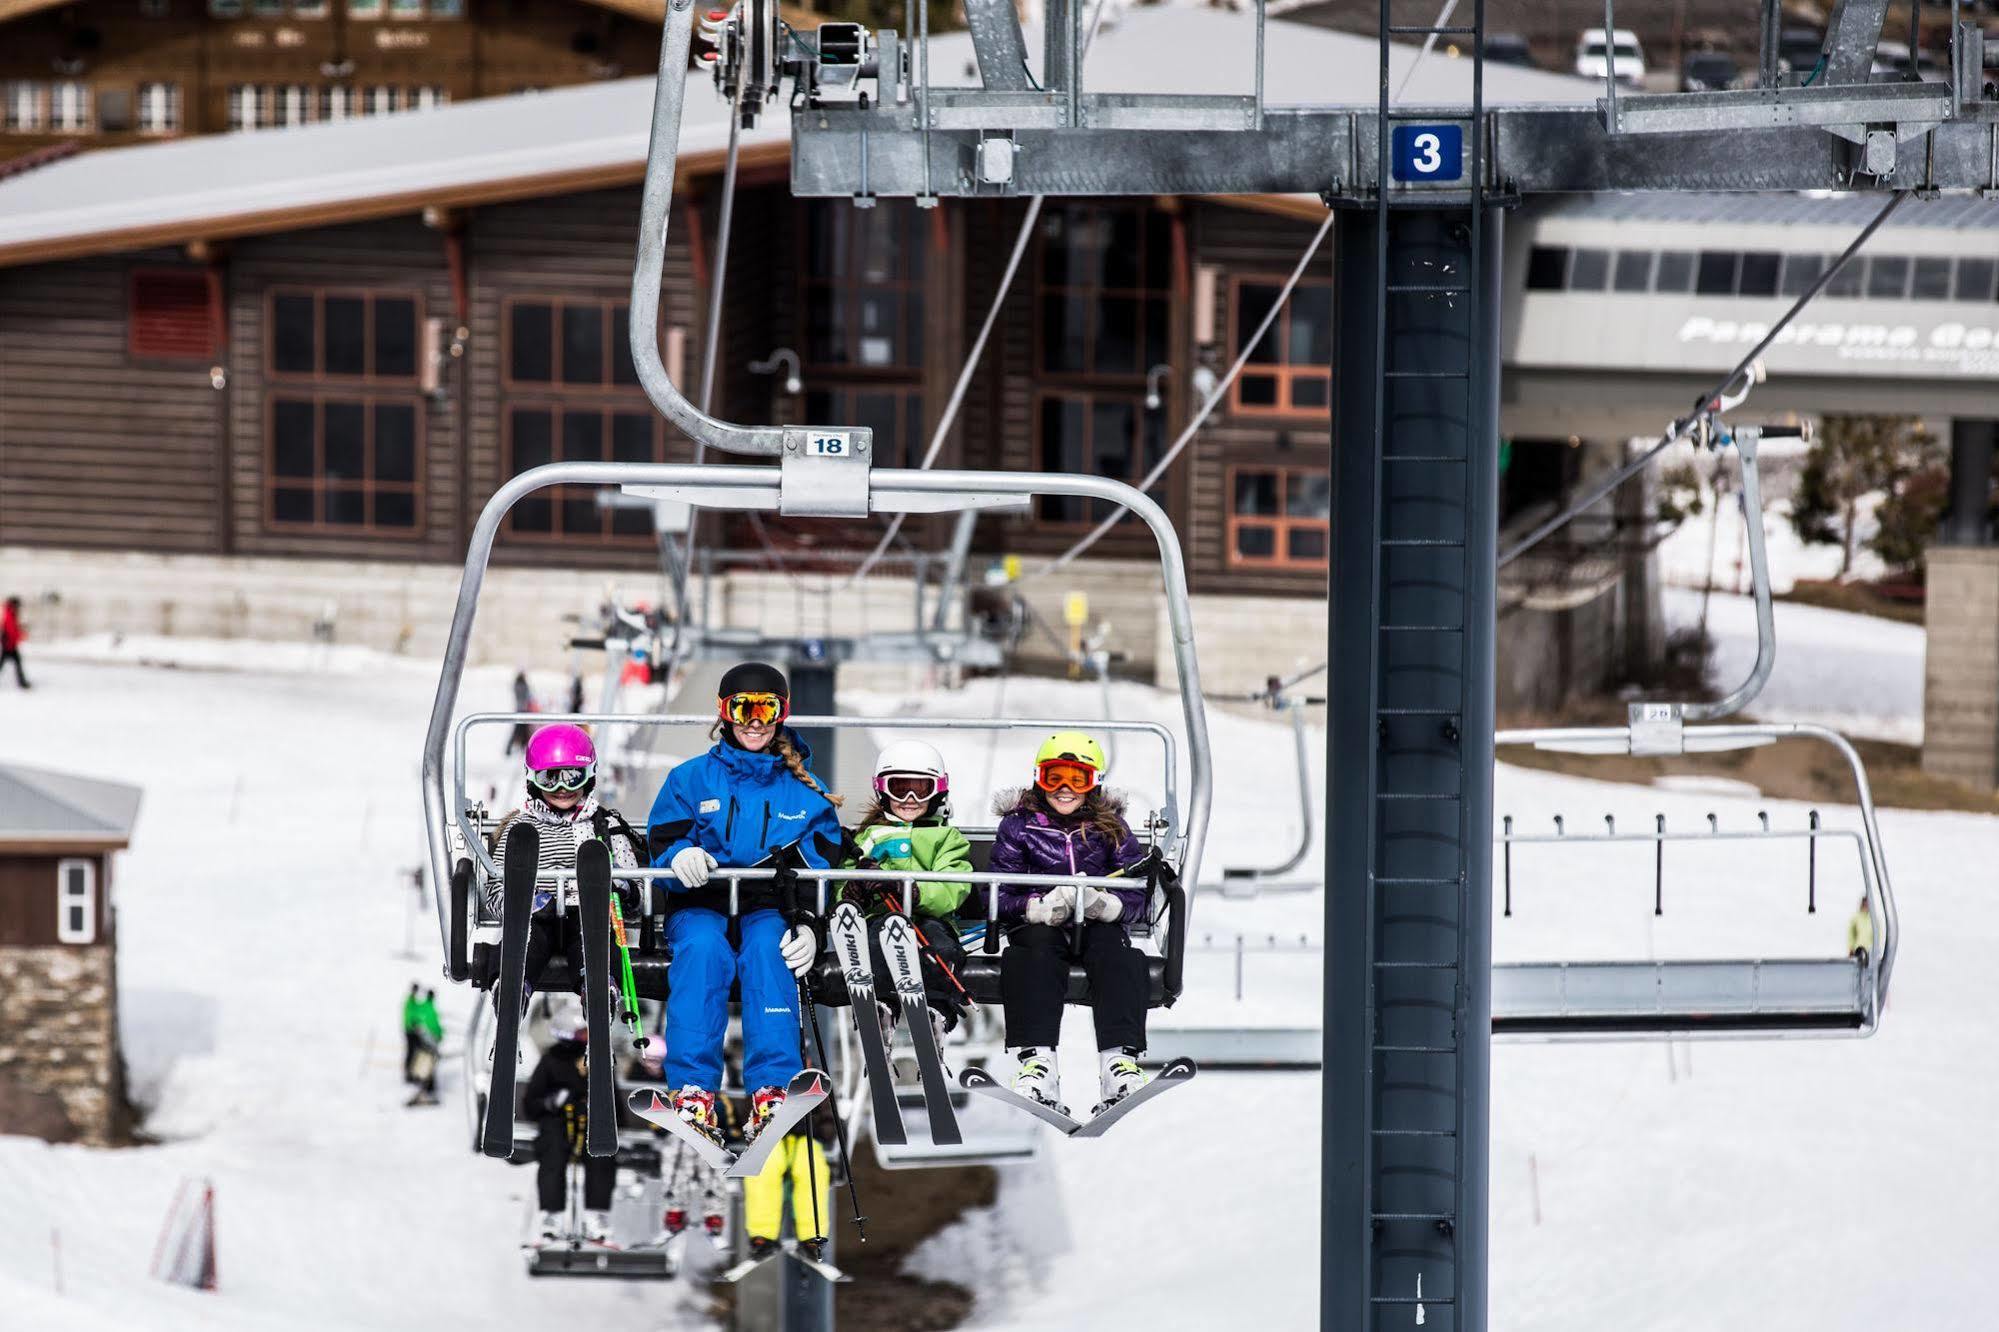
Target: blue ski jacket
[739,807]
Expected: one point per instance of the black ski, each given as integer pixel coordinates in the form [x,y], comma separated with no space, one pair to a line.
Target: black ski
[1165,1080]
[517,878]
[593,901]
[899,945]
[850,946]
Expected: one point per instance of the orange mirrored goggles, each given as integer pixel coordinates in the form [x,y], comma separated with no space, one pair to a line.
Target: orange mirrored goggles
[755,709]
[1058,774]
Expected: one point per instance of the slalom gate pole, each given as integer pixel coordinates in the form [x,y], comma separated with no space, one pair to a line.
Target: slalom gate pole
[787,880]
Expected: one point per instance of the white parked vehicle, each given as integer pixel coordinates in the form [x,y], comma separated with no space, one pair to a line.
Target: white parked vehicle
[1621,50]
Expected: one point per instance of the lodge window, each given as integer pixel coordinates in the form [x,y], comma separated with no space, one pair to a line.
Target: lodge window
[573,396]
[159,108]
[1103,291]
[76,901]
[272,106]
[69,107]
[345,421]
[1289,372]
[580,344]
[171,315]
[893,411]
[1104,433]
[1279,517]
[542,433]
[25,113]
[863,287]
[1762,273]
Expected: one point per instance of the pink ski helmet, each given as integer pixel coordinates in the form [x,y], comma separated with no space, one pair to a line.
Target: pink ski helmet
[561,758]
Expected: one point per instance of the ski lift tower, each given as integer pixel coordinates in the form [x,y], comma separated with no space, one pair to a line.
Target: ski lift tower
[1421,194]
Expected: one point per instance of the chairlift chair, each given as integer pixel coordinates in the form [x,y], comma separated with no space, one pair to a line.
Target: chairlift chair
[1712,997]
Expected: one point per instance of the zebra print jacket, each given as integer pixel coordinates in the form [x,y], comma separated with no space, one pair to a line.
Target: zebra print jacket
[560,835]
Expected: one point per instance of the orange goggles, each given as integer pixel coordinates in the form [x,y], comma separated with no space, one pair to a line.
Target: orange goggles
[1065,774]
[755,709]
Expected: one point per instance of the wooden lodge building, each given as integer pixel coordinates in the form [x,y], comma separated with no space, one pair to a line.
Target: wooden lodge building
[245,376]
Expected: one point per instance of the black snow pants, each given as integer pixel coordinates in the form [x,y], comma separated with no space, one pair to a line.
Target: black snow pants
[554,1145]
[1034,983]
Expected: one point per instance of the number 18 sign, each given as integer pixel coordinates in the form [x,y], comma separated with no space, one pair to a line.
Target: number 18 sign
[1428,152]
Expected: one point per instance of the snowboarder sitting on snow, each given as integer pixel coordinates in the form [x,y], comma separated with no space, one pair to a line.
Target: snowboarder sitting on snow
[1067,823]
[750,795]
[908,828]
[557,1097]
[561,778]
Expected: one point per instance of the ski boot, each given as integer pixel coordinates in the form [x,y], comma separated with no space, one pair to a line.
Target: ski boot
[1118,1076]
[1039,1079]
[937,1034]
[761,1248]
[597,1229]
[674,1221]
[815,1249]
[889,1019]
[765,1102]
[548,1225]
[716,1226]
[697,1107]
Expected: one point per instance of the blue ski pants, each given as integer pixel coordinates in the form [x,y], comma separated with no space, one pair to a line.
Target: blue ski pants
[697,1000]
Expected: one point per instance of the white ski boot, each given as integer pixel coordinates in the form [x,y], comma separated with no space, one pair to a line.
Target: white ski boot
[1039,1078]
[937,1033]
[889,1021]
[1118,1075]
[549,1225]
[597,1229]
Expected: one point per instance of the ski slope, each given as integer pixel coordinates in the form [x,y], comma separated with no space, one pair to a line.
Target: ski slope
[1822,1185]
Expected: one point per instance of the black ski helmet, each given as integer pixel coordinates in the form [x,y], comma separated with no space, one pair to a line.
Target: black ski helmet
[753,677]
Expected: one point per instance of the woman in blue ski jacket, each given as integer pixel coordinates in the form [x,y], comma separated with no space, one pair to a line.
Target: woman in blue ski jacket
[750,795]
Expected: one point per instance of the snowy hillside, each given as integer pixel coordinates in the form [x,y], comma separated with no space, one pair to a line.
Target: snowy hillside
[1824,1185]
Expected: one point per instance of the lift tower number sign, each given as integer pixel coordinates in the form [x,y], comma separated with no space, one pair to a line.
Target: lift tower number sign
[1427,152]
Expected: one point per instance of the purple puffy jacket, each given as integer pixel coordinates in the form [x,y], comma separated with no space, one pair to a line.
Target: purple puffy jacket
[1033,841]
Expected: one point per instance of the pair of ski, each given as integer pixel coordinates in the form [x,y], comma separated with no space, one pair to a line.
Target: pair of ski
[820,1268]
[801,1098]
[899,944]
[1098,1124]
[593,901]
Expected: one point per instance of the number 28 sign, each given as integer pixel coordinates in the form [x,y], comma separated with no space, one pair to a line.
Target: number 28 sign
[1428,152]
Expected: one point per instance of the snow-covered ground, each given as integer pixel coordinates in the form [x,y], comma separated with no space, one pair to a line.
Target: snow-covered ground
[1860,674]
[262,910]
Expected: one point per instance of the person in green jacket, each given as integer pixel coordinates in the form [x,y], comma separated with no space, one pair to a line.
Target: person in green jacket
[1860,934]
[908,828]
[427,1035]
[412,1002]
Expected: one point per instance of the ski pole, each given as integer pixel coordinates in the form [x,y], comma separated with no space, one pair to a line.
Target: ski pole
[788,902]
[628,983]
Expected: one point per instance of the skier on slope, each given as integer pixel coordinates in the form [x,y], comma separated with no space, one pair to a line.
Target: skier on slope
[561,802]
[1066,822]
[751,794]
[908,828]
[557,1097]
[429,1040]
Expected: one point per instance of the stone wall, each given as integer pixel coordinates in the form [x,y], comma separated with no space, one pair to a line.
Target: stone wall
[61,1076]
[1961,666]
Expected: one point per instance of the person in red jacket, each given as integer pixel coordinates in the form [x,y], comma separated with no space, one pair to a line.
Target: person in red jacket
[10,639]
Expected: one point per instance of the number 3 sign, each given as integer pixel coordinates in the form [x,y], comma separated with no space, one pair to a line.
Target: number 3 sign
[1428,152]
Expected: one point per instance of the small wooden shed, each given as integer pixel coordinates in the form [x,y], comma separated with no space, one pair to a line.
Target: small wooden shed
[61,1072]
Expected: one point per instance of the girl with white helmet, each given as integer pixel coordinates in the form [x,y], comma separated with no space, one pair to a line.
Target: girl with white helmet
[908,827]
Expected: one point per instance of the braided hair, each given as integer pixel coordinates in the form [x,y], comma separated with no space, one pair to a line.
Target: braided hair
[787,753]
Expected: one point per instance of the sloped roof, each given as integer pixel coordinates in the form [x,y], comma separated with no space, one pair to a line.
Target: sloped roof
[496,149]
[37,805]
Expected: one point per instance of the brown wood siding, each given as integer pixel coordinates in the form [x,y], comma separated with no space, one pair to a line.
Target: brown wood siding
[28,887]
[98,449]
[1242,242]
[579,246]
[400,256]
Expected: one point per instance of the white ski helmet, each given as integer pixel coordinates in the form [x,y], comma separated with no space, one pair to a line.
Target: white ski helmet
[915,758]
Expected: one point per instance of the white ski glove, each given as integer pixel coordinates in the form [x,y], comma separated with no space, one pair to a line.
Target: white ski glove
[1053,907]
[1099,904]
[798,947]
[691,866]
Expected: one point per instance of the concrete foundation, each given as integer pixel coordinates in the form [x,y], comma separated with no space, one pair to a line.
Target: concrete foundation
[1961,670]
